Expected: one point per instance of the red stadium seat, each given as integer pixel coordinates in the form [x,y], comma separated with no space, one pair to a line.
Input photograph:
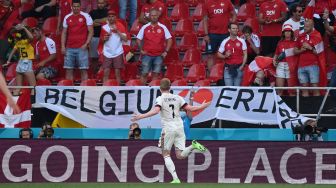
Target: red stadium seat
[43,82]
[245,11]
[11,72]
[130,71]
[192,3]
[198,13]
[180,11]
[50,25]
[196,72]
[167,23]
[200,29]
[30,22]
[65,83]
[179,83]
[123,22]
[154,83]
[100,74]
[136,26]
[189,40]
[192,56]
[134,82]
[200,83]
[216,72]
[183,26]
[171,3]
[111,82]
[174,72]
[88,82]
[172,56]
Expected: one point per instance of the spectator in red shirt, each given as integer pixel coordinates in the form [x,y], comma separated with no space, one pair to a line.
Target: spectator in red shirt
[285,61]
[308,63]
[271,15]
[320,7]
[252,41]
[64,9]
[218,14]
[152,4]
[76,36]
[157,41]
[234,51]
[45,50]
[327,26]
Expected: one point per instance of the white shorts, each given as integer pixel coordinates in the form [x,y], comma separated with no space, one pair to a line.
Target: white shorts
[282,70]
[172,137]
[24,65]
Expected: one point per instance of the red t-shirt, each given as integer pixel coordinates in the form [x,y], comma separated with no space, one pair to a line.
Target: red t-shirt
[44,49]
[256,41]
[320,5]
[236,47]
[219,14]
[285,45]
[270,10]
[154,38]
[3,11]
[77,30]
[16,3]
[307,58]
[64,7]
[157,5]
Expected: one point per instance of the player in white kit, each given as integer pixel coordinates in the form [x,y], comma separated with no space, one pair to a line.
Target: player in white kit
[169,106]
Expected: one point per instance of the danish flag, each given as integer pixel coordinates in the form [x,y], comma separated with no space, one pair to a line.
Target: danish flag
[21,120]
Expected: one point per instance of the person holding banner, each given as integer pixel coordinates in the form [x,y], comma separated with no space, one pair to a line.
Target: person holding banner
[169,105]
[4,89]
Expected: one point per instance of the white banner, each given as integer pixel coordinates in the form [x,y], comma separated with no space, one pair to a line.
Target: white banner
[112,107]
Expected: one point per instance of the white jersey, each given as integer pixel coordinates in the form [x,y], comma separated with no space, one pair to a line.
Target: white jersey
[297,26]
[170,105]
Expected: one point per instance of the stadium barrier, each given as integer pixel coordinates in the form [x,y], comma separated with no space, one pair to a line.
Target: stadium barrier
[141,161]
[243,134]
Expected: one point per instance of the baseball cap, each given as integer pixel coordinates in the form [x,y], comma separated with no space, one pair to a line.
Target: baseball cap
[111,12]
[287,27]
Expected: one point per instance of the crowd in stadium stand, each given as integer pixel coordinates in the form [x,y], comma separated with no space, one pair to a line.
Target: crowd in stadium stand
[191,42]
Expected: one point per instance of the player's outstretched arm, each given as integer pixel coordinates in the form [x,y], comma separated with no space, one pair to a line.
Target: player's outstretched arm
[195,108]
[6,92]
[153,112]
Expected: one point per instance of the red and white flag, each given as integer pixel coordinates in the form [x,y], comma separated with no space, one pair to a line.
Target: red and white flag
[21,120]
[309,11]
[259,63]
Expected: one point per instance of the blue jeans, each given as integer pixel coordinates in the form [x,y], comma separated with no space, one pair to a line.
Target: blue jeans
[153,63]
[232,81]
[309,74]
[76,57]
[133,4]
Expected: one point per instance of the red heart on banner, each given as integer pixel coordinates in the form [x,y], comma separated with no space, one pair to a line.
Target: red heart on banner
[200,96]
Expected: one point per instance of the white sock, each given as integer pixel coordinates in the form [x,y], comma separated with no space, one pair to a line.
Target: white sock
[186,152]
[170,166]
